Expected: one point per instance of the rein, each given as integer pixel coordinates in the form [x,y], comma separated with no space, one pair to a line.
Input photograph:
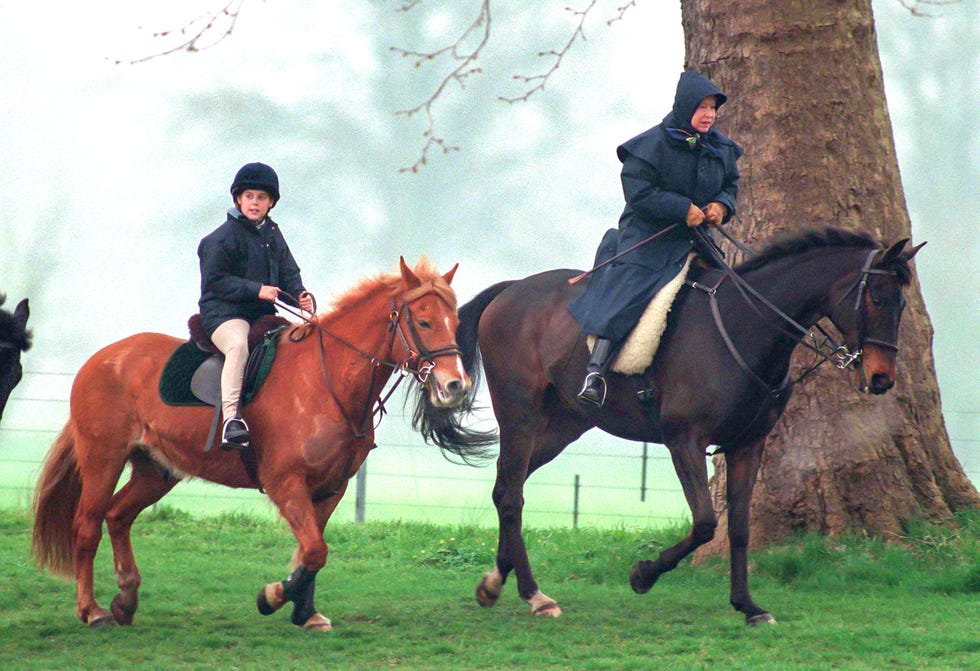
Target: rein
[419,363]
[838,353]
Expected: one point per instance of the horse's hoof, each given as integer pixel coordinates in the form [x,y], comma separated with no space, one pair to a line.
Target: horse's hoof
[101,618]
[485,596]
[549,609]
[270,599]
[318,623]
[543,605]
[639,580]
[761,618]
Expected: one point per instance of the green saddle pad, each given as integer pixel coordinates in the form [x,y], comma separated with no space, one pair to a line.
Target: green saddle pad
[175,381]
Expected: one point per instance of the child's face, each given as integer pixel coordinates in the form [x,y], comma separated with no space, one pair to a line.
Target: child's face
[254,204]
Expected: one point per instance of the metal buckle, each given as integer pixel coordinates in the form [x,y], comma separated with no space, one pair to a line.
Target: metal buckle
[422,374]
[843,358]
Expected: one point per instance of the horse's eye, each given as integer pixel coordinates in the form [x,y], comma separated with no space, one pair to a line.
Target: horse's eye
[425,324]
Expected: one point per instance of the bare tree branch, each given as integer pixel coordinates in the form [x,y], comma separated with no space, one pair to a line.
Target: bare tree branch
[540,80]
[197,31]
[913,6]
[464,67]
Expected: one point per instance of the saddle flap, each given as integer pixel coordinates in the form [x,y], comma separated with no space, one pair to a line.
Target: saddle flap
[206,380]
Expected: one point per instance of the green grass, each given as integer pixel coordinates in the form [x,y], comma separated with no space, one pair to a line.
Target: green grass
[401,597]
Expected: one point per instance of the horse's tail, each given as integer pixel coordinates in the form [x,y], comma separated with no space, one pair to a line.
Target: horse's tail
[444,426]
[55,502]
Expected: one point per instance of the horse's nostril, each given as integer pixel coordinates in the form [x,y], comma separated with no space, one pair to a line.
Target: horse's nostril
[455,387]
[880,383]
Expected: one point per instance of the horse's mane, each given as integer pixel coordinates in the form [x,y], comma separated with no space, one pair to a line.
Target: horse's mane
[812,238]
[392,284]
[11,331]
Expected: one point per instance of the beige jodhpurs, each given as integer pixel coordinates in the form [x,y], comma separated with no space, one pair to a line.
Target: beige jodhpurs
[232,339]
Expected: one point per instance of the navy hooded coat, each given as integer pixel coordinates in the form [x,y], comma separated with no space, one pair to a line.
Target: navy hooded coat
[663,174]
[236,260]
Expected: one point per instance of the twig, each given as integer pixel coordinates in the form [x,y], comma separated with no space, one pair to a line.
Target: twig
[913,6]
[540,80]
[464,68]
[620,12]
[198,29]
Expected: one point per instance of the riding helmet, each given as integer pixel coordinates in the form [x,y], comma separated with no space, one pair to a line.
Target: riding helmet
[256,176]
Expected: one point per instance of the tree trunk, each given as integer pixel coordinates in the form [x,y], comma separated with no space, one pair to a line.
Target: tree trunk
[807,103]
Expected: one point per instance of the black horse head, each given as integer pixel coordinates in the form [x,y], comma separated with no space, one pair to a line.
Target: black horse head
[15,338]
[868,310]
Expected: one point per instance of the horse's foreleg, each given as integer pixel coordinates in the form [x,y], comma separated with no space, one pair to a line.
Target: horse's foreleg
[147,485]
[307,521]
[508,497]
[692,470]
[742,465]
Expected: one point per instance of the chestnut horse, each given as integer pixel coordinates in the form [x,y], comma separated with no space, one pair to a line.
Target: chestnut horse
[15,338]
[312,425]
[720,377]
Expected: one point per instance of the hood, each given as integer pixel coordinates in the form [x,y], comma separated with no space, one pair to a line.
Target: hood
[692,88]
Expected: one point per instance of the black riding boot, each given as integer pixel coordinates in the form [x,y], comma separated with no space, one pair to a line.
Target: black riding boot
[594,386]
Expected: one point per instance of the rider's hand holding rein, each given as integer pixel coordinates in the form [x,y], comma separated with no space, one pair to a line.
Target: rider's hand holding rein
[306,301]
[271,294]
[695,216]
[714,213]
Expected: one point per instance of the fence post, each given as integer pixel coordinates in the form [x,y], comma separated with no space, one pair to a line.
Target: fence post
[575,505]
[360,494]
[643,474]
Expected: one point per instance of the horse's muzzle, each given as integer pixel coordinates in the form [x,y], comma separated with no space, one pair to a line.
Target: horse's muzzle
[448,393]
[876,369]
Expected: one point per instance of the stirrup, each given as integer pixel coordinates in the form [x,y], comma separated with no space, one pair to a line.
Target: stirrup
[234,434]
[593,389]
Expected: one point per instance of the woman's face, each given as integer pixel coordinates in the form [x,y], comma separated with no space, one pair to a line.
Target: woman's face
[704,115]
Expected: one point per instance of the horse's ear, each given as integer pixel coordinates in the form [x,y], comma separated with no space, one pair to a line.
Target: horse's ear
[21,313]
[411,279]
[894,251]
[449,276]
[912,252]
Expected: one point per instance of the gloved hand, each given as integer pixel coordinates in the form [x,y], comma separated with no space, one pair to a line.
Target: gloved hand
[695,217]
[714,213]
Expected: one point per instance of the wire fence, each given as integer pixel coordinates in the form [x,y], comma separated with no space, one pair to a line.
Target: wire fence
[598,481]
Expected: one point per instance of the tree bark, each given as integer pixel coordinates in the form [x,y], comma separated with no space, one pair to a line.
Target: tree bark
[807,102]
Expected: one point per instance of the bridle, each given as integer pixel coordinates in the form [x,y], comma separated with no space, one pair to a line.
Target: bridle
[419,361]
[827,348]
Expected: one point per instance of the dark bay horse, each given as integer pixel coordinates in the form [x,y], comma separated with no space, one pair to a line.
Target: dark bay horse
[717,379]
[312,426]
[15,338]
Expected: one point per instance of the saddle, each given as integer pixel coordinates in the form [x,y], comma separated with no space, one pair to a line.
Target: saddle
[192,374]
[641,344]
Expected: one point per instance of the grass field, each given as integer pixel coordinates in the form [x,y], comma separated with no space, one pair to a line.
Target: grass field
[400,595]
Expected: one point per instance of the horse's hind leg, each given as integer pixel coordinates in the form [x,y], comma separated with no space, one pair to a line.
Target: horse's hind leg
[742,465]
[692,470]
[100,472]
[148,484]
